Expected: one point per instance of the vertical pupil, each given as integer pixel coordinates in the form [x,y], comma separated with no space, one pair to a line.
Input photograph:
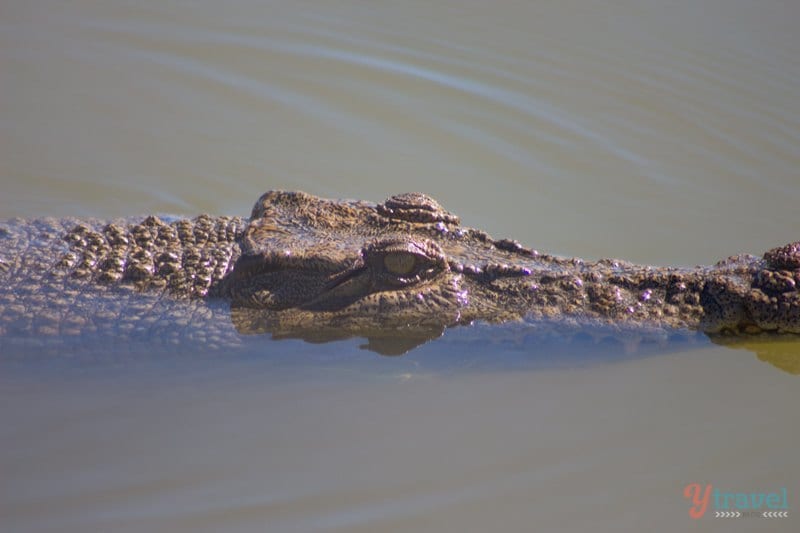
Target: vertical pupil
[398,263]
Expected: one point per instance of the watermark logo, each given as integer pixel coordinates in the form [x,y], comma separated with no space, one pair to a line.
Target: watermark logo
[735,504]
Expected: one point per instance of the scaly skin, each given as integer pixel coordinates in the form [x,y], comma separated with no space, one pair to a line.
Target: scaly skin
[307,261]
[79,284]
[321,269]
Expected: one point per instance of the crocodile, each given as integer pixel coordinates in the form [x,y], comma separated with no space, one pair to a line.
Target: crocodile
[321,269]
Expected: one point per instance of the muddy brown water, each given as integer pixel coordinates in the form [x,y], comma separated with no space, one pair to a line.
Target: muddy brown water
[659,132]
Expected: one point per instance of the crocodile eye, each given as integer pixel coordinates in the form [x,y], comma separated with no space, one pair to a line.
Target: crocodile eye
[400,263]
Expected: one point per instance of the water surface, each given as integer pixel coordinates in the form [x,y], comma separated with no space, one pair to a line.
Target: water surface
[660,132]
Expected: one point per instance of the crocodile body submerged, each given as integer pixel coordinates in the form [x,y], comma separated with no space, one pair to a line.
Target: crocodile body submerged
[319,269]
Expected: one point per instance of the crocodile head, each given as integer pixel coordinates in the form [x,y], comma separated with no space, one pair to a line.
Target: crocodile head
[323,269]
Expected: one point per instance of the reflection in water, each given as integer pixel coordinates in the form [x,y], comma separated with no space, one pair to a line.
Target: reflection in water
[558,340]
[782,353]
[385,341]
